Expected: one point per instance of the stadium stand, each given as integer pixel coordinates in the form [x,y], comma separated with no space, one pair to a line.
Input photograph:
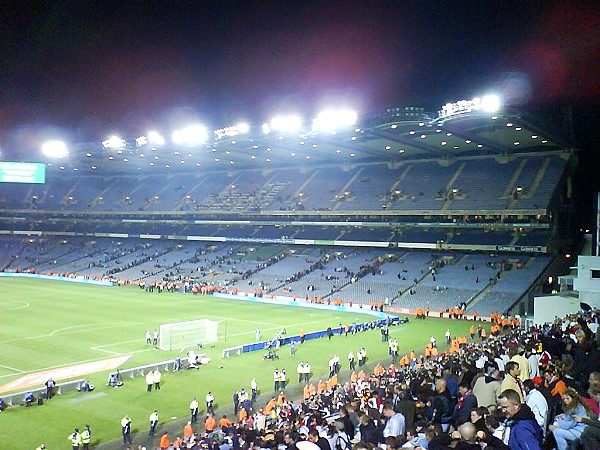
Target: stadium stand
[400,194]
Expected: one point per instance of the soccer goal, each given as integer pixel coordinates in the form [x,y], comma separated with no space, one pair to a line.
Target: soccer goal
[181,335]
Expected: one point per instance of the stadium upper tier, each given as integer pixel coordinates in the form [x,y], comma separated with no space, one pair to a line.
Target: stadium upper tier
[438,186]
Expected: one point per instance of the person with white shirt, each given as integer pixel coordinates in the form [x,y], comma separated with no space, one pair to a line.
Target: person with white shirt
[537,403]
[395,423]
[210,400]
[534,364]
[481,361]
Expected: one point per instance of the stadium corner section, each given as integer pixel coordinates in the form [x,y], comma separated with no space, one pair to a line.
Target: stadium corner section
[64,373]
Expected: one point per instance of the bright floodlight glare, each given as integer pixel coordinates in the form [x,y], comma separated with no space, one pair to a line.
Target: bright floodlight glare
[191,135]
[113,142]
[490,103]
[55,149]
[243,127]
[155,139]
[286,123]
[332,120]
[142,140]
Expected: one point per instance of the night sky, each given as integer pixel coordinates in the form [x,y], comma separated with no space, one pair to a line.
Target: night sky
[98,67]
[100,64]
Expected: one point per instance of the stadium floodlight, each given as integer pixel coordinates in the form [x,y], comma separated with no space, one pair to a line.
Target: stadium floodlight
[490,103]
[286,124]
[243,127]
[140,141]
[240,128]
[113,142]
[190,135]
[55,149]
[332,120]
[155,138]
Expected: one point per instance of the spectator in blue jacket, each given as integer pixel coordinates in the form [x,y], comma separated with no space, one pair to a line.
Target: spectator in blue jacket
[522,431]
[466,403]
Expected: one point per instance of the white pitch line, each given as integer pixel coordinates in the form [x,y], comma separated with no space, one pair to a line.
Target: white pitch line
[106,351]
[74,329]
[122,354]
[14,308]
[69,328]
[12,368]
[74,363]
[112,344]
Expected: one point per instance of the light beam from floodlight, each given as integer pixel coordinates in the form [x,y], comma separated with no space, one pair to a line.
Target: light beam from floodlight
[113,142]
[332,120]
[490,103]
[55,149]
[190,135]
[286,124]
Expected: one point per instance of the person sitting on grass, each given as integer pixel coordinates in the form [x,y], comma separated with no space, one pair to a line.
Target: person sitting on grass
[29,398]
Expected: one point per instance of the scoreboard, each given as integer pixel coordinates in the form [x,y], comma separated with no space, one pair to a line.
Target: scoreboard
[21,172]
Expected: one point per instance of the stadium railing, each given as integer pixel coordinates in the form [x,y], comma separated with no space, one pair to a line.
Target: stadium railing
[286,340]
[16,398]
[165,366]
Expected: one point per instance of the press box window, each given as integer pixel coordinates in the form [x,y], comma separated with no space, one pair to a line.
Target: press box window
[596,273]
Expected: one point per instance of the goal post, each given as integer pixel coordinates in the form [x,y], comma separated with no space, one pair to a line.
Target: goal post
[179,335]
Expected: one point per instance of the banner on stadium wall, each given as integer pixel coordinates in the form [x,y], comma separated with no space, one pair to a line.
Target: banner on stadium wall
[260,240]
[361,244]
[521,248]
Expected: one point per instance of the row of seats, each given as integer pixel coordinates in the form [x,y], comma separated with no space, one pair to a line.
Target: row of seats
[405,278]
[527,182]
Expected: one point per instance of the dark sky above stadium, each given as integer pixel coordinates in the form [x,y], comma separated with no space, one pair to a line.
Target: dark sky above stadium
[102,66]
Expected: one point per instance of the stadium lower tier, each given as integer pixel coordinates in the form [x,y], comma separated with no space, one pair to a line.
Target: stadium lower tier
[481,282]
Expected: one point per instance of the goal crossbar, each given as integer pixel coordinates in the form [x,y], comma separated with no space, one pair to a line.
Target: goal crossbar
[185,334]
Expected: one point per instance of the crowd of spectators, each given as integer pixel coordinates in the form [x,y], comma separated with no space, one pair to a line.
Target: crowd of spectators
[524,389]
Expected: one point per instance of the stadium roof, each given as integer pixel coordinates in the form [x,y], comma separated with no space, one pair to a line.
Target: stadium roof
[393,135]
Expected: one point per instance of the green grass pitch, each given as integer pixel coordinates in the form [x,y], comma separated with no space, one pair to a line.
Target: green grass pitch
[46,324]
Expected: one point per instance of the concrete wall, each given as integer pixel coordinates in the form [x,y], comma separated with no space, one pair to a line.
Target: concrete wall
[588,287]
[546,308]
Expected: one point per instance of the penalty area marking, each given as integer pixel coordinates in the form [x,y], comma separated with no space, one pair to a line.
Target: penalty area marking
[73,329]
[11,368]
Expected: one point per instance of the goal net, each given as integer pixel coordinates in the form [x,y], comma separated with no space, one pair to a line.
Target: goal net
[179,335]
